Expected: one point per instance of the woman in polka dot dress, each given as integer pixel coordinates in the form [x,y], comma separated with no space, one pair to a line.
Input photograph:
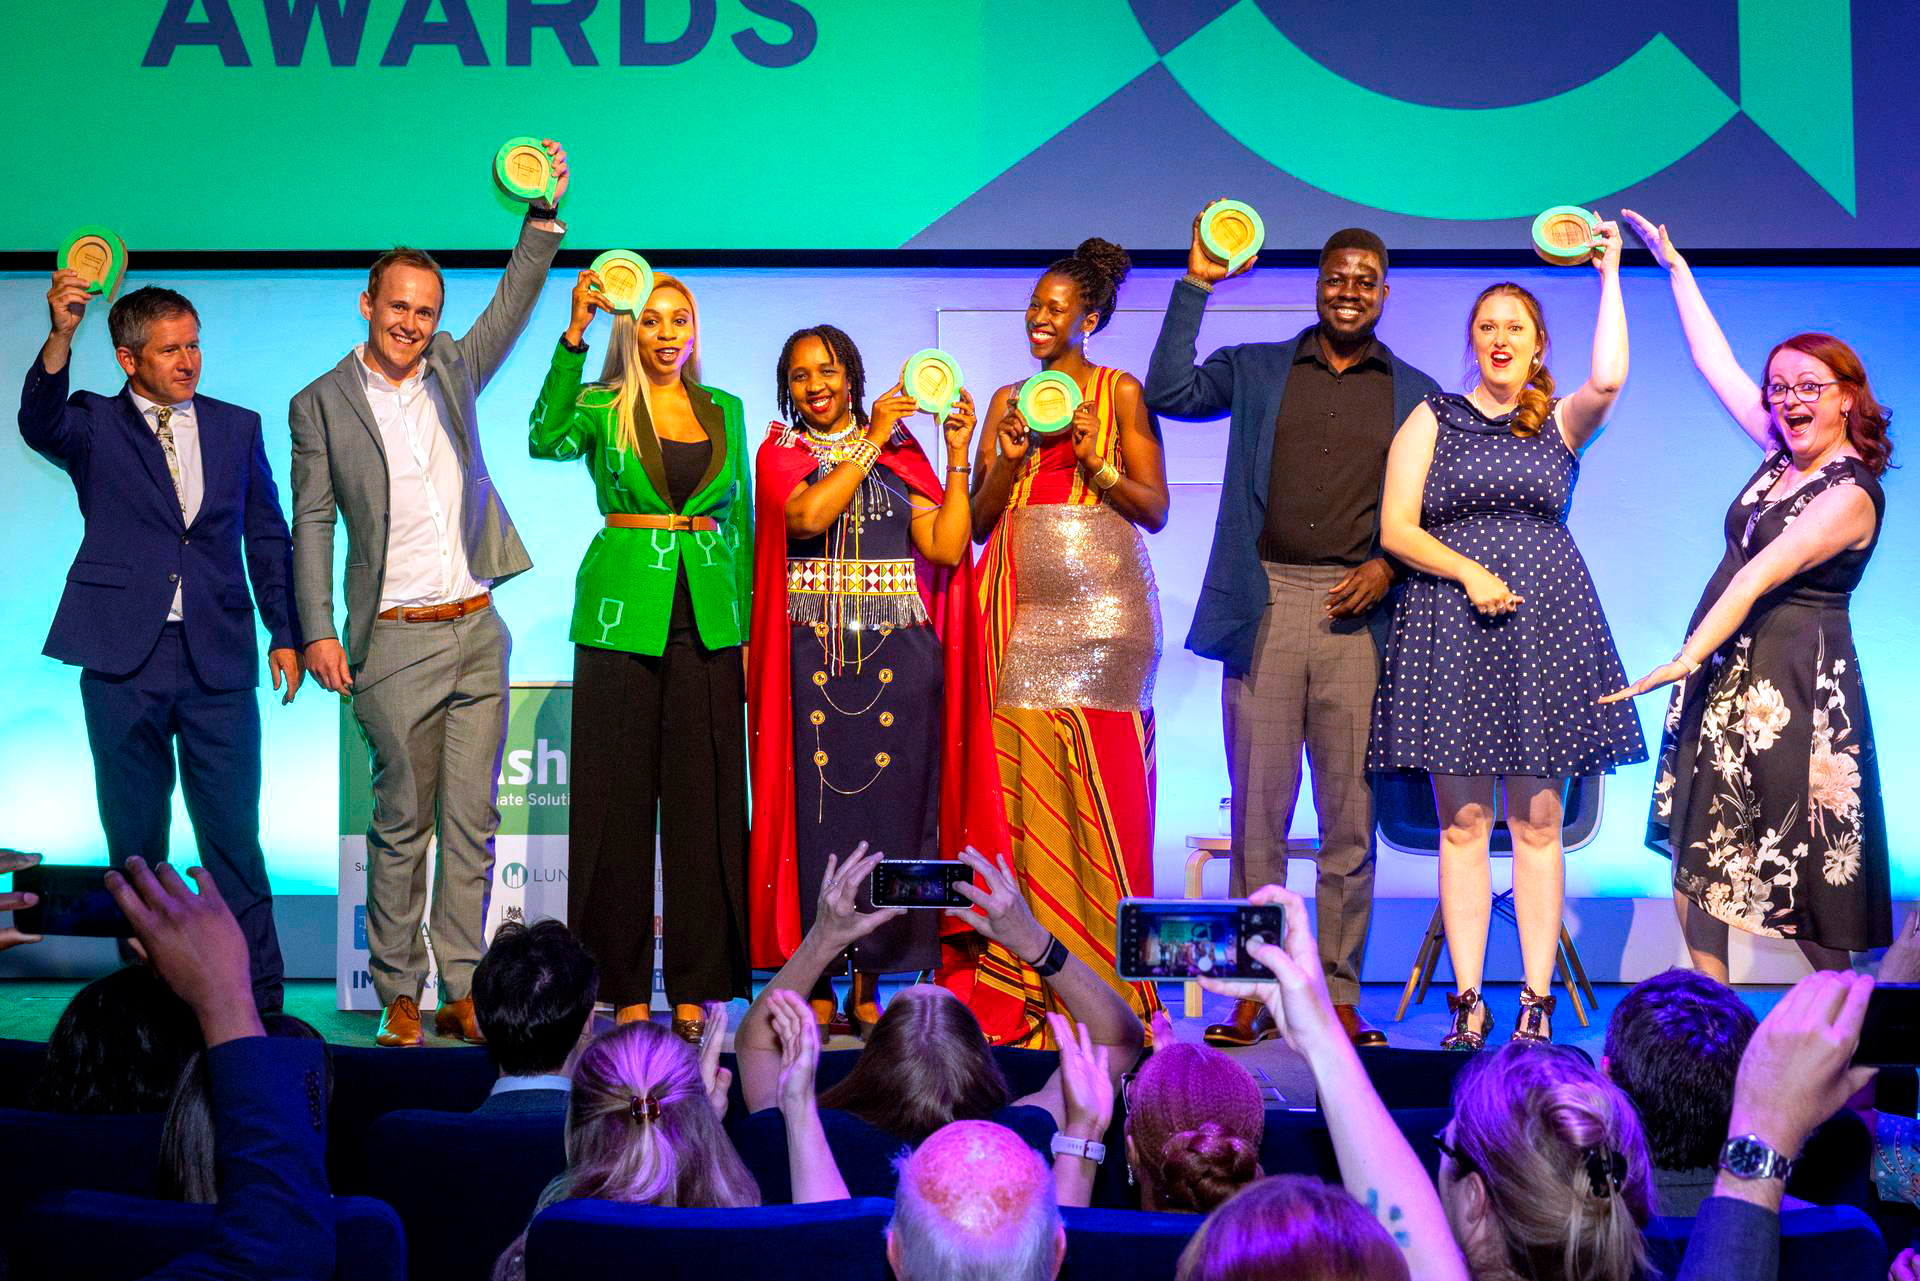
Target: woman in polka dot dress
[1499,652]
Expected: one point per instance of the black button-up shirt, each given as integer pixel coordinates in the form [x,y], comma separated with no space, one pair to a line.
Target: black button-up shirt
[1330,444]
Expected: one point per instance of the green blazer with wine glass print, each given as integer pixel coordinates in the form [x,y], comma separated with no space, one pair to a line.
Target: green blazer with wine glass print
[623,594]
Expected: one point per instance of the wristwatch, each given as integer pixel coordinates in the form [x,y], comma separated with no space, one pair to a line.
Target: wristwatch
[1086,1149]
[1747,1156]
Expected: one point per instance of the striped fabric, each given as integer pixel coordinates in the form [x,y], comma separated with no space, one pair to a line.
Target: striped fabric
[1078,785]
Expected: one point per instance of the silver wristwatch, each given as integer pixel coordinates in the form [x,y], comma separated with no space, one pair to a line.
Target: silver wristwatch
[1747,1156]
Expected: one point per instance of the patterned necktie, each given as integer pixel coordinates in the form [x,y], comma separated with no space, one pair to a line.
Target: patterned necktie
[163,429]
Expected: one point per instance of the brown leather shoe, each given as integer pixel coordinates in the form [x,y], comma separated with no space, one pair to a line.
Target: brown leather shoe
[400,1023]
[1362,1033]
[1250,1025]
[455,1018]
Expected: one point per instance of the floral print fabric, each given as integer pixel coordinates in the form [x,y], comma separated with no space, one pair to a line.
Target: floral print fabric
[1767,794]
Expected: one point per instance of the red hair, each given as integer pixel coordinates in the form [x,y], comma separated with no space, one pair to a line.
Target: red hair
[1867,420]
[1196,1121]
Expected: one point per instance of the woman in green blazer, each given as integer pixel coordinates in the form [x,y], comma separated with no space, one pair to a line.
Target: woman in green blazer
[659,618]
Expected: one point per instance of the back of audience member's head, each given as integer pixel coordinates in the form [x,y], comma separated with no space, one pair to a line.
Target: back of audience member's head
[640,1129]
[1194,1123]
[1292,1226]
[187,1169]
[1674,1046]
[975,1203]
[1552,1181]
[119,1047]
[533,995]
[925,1064]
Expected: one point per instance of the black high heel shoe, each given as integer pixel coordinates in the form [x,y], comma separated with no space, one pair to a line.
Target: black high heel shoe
[1465,1036]
[1532,1023]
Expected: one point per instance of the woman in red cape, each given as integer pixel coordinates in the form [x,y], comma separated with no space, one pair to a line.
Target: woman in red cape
[866,677]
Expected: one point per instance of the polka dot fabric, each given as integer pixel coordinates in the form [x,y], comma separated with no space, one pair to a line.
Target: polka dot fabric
[1513,694]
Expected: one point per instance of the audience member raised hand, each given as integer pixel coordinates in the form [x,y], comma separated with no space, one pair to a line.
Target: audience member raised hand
[716,1079]
[838,923]
[1797,1072]
[193,943]
[1901,964]
[1086,1086]
[13,861]
[1297,995]
[811,1168]
[1376,1163]
[1000,910]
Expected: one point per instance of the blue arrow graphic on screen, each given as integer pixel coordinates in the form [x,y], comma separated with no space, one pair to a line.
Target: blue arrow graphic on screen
[1617,129]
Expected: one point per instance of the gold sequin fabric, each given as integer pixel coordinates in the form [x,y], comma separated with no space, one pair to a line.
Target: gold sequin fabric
[1086,623]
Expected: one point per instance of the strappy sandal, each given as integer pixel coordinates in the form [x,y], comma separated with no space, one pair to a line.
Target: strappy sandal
[1532,1023]
[1465,1036]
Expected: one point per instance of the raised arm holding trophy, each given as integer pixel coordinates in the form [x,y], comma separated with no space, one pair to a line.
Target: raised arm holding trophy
[389,439]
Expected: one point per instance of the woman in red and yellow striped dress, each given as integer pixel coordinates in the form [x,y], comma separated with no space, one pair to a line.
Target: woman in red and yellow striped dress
[1072,623]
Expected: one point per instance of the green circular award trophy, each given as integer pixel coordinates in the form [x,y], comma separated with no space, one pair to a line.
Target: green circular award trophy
[1047,401]
[1563,235]
[1231,232]
[625,280]
[524,171]
[100,258]
[932,378]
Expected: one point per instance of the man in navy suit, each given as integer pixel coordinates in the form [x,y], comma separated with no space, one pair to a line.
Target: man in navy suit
[181,513]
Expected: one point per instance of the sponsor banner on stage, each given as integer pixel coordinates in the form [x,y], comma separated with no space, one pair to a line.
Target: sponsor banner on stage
[1747,124]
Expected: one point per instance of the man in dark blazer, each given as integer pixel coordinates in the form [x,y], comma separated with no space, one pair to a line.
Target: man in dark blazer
[533,995]
[1294,601]
[181,513]
[389,441]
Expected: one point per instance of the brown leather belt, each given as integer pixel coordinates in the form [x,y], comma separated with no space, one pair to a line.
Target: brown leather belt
[673,521]
[437,613]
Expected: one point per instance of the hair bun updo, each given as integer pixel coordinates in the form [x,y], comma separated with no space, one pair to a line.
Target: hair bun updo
[1201,1167]
[1097,267]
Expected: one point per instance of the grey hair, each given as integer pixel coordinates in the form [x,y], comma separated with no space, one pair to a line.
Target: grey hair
[932,1249]
[133,315]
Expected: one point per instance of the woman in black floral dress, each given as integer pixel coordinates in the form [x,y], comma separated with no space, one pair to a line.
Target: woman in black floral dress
[1767,796]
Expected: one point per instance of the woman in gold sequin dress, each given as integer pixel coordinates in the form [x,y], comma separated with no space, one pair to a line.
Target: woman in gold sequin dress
[1072,622]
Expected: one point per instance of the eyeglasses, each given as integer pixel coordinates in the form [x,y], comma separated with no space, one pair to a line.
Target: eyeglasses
[1806,391]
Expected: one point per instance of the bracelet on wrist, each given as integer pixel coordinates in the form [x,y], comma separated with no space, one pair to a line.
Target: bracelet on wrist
[1688,663]
[577,348]
[1086,1149]
[1106,477]
[1204,286]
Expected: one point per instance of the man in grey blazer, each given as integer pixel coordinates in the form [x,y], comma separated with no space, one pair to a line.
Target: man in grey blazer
[389,439]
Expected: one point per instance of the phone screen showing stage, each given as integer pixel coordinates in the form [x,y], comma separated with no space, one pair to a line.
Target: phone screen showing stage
[73,902]
[920,883]
[1180,939]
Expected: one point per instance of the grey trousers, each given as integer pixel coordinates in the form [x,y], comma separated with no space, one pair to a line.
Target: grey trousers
[431,700]
[1311,683]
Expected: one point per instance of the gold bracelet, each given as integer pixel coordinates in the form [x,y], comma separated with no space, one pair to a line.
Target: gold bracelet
[1107,477]
[1682,659]
[863,454]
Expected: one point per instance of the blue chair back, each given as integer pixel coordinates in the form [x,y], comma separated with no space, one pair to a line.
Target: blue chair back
[51,1151]
[468,1184]
[105,1236]
[369,1082]
[1297,1141]
[833,1241]
[1404,811]
[1825,1243]
[864,1154]
[1103,1245]
[1408,1078]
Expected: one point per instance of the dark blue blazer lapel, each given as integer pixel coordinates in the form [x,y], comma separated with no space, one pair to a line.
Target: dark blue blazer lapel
[1265,413]
[147,446]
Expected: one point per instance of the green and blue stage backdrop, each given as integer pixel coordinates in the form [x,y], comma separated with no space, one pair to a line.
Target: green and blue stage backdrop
[847,124]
